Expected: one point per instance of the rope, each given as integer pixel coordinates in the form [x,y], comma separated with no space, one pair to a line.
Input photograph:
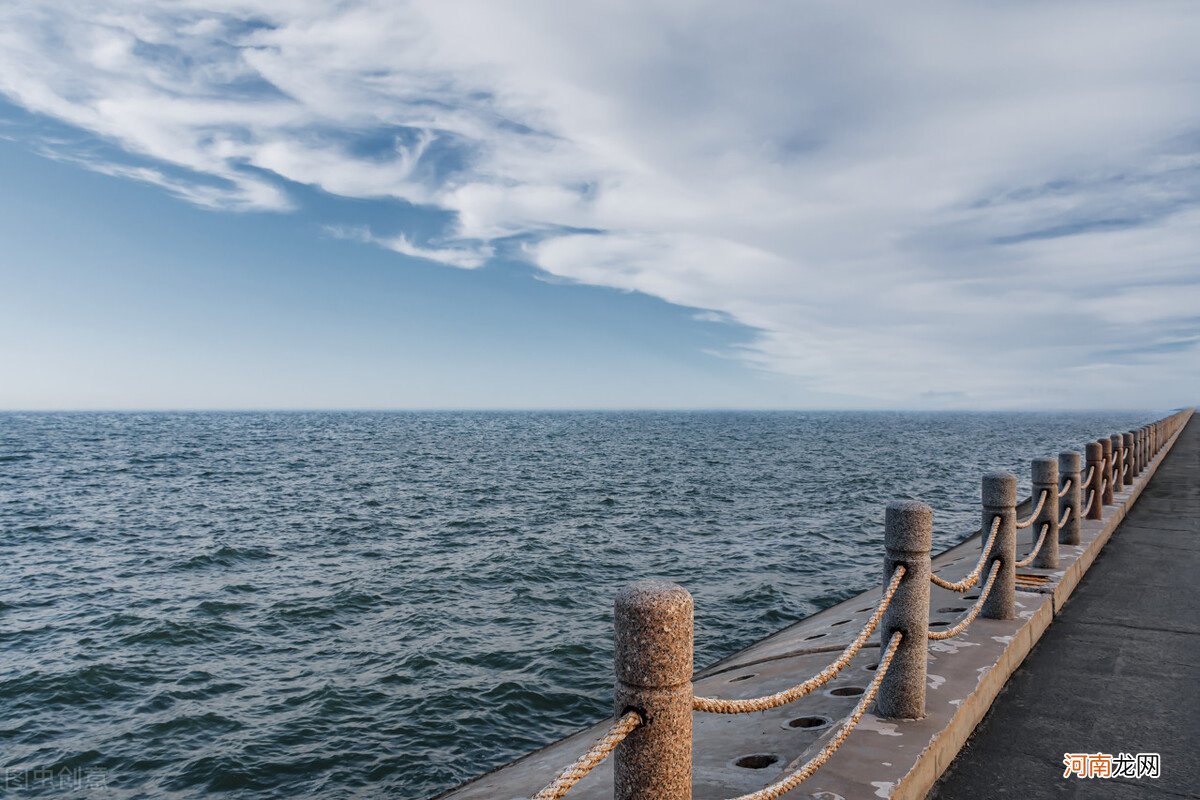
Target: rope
[588,761]
[1091,473]
[1027,560]
[1026,523]
[975,609]
[1091,499]
[1066,488]
[1066,516]
[780,788]
[973,578]
[716,705]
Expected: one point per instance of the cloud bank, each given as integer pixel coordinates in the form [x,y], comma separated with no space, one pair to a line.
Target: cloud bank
[951,204]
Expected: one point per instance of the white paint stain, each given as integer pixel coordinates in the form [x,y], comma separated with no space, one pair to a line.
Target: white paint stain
[883,788]
[1002,639]
[870,722]
[951,645]
[935,681]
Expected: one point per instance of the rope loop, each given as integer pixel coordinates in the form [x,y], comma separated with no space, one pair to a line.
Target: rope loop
[716,705]
[1066,488]
[782,787]
[599,751]
[973,578]
[1027,522]
[1027,560]
[975,609]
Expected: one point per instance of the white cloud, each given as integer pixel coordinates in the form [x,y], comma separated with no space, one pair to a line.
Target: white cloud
[958,201]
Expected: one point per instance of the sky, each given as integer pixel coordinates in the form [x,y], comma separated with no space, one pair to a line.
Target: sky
[599,204]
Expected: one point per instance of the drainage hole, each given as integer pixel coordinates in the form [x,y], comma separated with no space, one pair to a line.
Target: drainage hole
[847,691]
[809,722]
[871,667]
[814,636]
[950,610]
[938,624]
[839,622]
[757,761]
[868,608]
[971,597]
[741,678]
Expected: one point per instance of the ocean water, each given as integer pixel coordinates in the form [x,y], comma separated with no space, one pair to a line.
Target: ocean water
[384,605]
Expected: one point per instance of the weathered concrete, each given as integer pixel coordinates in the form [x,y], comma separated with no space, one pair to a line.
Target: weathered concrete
[1127,453]
[653,625]
[1095,465]
[1109,471]
[881,758]
[1119,669]
[907,540]
[1000,500]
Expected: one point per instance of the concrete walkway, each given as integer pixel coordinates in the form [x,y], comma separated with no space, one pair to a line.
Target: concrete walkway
[1118,671]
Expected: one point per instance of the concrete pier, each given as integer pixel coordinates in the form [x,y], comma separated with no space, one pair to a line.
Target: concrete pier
[1119,670]
[903,758]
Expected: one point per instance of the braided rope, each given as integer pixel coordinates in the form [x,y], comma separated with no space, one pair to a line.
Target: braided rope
[1066,516]
[715,705]
[1091,499]
[1027,560]
[1066,488]
[975,609]
[570,776]
[1090,475]
[973,578]
[1026,523]
[780,788]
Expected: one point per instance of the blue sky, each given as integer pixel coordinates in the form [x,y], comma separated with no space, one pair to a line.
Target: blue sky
[267,204]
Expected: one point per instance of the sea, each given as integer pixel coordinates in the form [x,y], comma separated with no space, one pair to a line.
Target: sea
[357,604]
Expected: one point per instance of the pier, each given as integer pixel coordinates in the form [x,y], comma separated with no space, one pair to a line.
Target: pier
[877,695]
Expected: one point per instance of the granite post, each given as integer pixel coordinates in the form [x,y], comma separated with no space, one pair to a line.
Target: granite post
[1069,470]
[654,677]
[1107,499]
[1000,499]
[907,538]
[1130,461]
[1044,472]
[1095,459]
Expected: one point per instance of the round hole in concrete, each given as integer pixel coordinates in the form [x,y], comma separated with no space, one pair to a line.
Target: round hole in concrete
[971,597]
[741,678]
[756,761]
[871,667]
[868,608]
[808,723]
[950,610]
[938,624]
[814,636]
[839,622]
[846,691]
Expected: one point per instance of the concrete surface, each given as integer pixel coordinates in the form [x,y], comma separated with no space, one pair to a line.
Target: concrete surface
[1119,671]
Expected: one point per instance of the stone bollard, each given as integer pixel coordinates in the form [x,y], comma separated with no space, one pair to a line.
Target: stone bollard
[908,538]
[1130,461]
[654,677]
[1095,458]
[1118,461]
[1044,472]
[1000,498]
[1069,470]
[1139,460]
[1107,499]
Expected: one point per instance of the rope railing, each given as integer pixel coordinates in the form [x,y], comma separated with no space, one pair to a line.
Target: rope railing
[973,613]
[1027,560]
[595,754]
[973,577]
[654,623]
[715,705]
[782,787]
[1025,523]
